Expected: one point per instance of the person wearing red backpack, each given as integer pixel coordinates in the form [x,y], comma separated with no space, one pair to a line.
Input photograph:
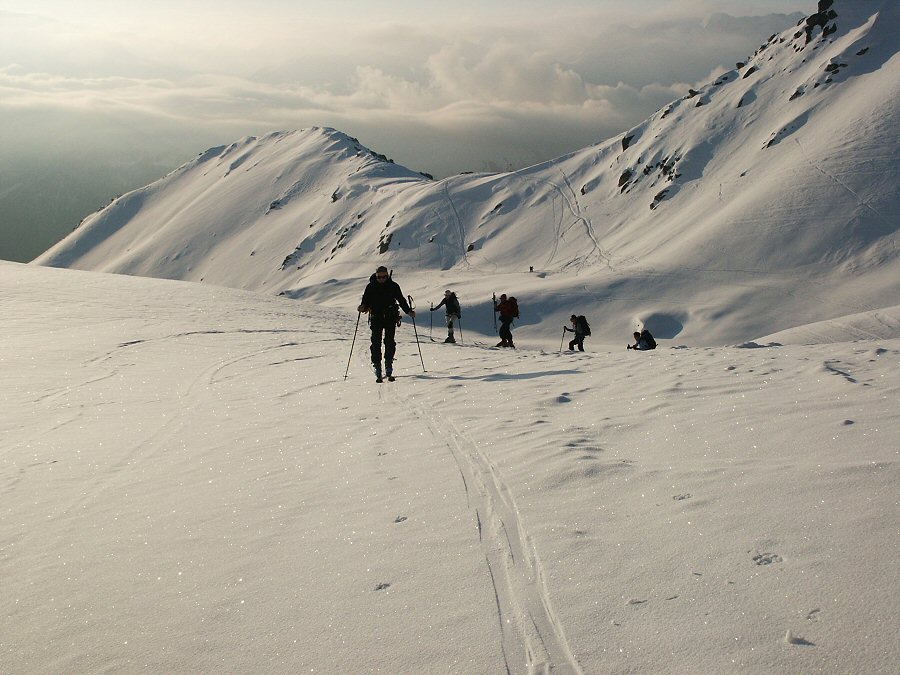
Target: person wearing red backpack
[508,308]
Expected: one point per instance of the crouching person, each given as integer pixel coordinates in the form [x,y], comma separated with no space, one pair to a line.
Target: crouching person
[643,341]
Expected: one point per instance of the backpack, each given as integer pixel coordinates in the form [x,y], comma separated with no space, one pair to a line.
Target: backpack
[649,338]
[585,327]
[514,307]
[453,306]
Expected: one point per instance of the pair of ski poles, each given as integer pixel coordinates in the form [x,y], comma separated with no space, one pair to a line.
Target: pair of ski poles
[412,306]
[431,325]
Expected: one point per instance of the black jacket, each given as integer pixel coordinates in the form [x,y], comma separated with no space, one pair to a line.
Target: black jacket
[452,305]
[381,299]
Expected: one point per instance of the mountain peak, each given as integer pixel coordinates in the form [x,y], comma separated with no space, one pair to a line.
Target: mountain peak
[730,212]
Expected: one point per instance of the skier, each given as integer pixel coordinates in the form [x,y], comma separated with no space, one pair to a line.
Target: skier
[643,341]
[451,304]
[581,329]
[509,310]
[380,301]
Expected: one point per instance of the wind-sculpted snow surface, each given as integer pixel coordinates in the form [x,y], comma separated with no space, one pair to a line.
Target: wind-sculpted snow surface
[189,484]
[762,200]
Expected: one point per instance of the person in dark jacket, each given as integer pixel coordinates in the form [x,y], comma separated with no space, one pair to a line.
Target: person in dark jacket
[380,300]
[643,341]
[579,329]
[451,303]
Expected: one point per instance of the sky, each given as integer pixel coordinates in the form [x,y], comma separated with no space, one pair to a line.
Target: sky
[100,97]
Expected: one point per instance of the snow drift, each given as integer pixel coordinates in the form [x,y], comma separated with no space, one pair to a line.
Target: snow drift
[188,484]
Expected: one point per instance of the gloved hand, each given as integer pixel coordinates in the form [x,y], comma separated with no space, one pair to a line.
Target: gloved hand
[431,310]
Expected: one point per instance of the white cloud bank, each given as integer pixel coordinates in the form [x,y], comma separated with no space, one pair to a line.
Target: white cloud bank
[582,69]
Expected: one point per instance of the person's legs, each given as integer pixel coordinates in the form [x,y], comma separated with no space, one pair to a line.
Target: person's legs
[505,332]
[375,348]
[390,346]
[450,337]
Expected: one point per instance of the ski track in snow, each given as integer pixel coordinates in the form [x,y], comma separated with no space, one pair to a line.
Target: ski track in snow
[837,181]
[578,214]
[572,205]
[461,231]
[531,632]
[196,396]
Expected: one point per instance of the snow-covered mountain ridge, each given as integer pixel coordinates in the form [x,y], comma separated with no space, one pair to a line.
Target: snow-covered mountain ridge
[765,200]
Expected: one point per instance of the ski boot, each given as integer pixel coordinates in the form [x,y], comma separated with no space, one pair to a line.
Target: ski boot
[450,339]
[389,371]
[378,377]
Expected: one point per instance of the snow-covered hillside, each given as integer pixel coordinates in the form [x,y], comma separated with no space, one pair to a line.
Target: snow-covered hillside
[188,484]
[764,200]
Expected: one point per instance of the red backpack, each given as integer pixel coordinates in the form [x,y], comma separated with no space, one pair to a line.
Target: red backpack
[513,307]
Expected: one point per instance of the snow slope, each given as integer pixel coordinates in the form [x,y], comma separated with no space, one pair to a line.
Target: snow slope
[763,201]
[189,484]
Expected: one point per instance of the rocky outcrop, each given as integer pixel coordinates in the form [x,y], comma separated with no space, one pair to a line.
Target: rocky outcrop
[820,19]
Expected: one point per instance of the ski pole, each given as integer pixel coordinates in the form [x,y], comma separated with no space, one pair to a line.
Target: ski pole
[431,322]
[494,309]
[359,314]
[412,306]
[562,339]
[459,323]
